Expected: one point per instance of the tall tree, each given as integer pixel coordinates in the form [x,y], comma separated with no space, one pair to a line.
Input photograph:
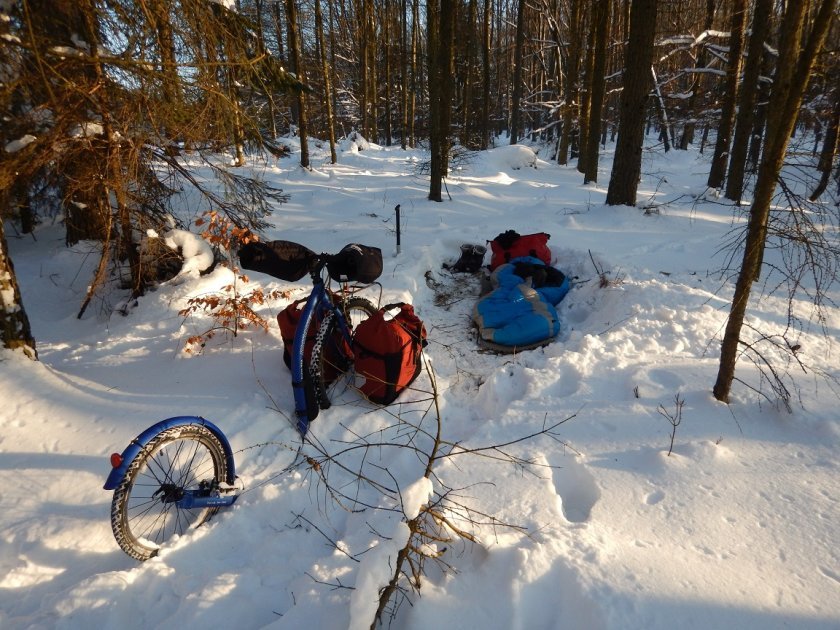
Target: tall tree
[405,84]
[627,163]
[727,115]
[297,61]
[15,332]
[796,59]
[325,72]
[588,70]
[745,118]
[829,148]
[440,22]
[572,82]
[687,136]
[517,72]
[600,20]
[486,52]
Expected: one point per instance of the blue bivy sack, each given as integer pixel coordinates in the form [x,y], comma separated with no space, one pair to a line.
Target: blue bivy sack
[519,312]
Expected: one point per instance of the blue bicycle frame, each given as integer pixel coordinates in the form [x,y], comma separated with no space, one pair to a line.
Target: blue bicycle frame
[317,304]
[192,498]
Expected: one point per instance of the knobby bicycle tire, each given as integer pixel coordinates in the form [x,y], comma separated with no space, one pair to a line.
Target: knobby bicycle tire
[330,357]
[144,512]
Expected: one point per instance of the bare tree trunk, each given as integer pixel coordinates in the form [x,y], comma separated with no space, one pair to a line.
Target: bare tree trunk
[791,79]
[627,164]
[600,20]
[467,113]
[440,20]
[485,97]
[727,116]
[370,70]
[571,86]
[746,104]
[517,72]
[433,45]
[415,71]
[664,124]
[405,84]
[386,41]
[586,97]
[325,71]
[829,150]
[294,46]
[687,136]
[15,332]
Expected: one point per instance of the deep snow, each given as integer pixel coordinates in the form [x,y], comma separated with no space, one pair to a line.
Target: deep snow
[737,528]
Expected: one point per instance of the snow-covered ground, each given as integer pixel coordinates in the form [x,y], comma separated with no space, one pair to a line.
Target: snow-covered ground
[738,528]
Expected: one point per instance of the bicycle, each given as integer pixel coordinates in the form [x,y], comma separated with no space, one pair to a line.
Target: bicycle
[179,472]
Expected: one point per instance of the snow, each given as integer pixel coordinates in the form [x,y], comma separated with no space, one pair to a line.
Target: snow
[87,130]
[197,253]
[737,528]
[21,143]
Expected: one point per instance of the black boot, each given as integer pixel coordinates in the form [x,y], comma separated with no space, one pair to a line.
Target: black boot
[472,257]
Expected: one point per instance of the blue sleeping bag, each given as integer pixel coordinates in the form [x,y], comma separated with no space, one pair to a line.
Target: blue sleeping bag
[519,312]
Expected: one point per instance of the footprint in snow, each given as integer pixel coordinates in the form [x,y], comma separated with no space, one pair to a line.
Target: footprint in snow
[577,489]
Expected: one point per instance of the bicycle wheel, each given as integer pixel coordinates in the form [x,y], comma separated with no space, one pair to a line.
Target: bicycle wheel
[144,510]
[331,355]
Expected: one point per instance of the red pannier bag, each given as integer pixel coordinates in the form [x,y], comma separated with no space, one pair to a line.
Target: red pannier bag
[387,352]
[288,320]
[509,245]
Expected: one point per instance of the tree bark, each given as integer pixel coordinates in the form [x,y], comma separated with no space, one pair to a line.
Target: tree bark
[15,332]
[571,86]
[585,97]
[467,111]
[600,20]
[405,84]
[687,136]
[440,22]
[792,73]
[517,73]
[829,150]
[746,103]
[325,71]
[727,115]
[297,61]
[627,163]
[485,96]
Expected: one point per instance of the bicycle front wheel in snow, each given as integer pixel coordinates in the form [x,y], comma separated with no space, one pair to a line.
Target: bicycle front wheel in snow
[145,512]
[331,355]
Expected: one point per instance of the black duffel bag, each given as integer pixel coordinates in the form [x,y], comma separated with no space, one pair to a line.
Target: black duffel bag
[282,259]
[356,263]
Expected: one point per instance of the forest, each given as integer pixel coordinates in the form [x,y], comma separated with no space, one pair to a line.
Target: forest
[102,98]
[683,154]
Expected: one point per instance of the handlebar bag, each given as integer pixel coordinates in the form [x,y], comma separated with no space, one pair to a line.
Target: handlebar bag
[284,260]
[356,263]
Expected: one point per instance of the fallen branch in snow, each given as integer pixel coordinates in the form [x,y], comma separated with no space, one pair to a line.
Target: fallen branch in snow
[428,516]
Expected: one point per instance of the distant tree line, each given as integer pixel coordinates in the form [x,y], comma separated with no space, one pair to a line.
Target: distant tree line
[101,99]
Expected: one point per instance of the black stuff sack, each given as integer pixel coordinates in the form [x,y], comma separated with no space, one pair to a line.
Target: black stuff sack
[356,263]
[387,352]
[282,259]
